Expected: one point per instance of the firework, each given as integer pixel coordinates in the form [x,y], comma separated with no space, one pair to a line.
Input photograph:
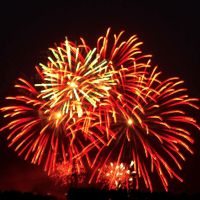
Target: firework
[146,118]
[150,130]
[73,82]
[67,172]
[110,98]
[36,128]
[129,70]
[117,176]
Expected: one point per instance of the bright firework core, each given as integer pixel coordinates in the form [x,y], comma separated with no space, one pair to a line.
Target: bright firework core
[130,121]
[72,84]
[58,115]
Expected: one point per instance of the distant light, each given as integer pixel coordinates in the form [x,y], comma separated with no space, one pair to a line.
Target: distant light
[130,121]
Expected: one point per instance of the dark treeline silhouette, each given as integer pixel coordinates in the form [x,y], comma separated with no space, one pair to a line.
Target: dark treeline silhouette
[16,195]
[98,194]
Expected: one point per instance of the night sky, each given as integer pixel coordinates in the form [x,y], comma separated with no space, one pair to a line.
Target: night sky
[170,33]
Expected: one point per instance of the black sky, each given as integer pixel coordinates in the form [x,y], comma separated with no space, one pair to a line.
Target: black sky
[170,32]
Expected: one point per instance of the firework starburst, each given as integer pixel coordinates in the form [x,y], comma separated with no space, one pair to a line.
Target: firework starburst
[107,98]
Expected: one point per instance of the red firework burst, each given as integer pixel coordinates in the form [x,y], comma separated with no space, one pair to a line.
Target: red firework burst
[146,120]
[67,173]
[37,127]
[114,97]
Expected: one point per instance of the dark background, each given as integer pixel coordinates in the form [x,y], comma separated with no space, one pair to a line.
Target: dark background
[170,32]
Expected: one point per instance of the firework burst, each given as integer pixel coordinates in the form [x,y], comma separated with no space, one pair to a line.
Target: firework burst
[117,176]
[73,82]
[146,116]
[37,127]
[150,129]
[67,173]
[110,98]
